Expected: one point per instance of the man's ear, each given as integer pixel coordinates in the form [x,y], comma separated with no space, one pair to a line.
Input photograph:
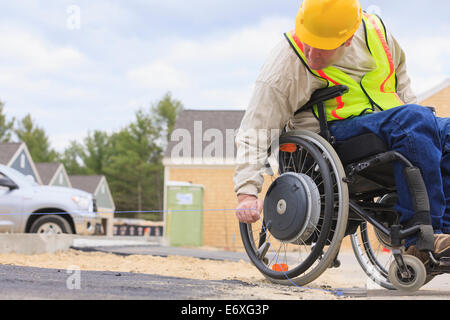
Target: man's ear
[349,41]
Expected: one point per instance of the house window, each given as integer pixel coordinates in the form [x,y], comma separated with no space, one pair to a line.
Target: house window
[22,161]
[103,189]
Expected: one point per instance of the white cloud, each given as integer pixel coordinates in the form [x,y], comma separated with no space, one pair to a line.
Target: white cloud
[218,69]
[232,98]
[33,85]
[158,75]
[251,42]
[427,59]
[22,49]
[60,141]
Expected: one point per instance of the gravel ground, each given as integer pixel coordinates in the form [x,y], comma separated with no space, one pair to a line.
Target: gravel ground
[153,273]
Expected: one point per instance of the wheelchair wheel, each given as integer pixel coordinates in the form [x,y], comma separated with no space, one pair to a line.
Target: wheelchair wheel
[417,271]
[303,254]
[372,249]
[372,255]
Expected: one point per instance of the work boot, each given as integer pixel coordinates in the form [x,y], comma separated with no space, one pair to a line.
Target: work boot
[442,245]
[441,248]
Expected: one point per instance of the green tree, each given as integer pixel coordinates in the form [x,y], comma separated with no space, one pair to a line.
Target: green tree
[96,152]
[89,157]
[131,159]
[166,112]
[36,140]
[134,164]
[72,159]
[6,127]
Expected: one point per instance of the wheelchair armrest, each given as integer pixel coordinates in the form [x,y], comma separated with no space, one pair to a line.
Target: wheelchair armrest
[322,95]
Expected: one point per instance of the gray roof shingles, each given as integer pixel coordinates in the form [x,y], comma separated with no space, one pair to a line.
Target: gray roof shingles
[7,151]
[85,183]
[222,120]
[47,171]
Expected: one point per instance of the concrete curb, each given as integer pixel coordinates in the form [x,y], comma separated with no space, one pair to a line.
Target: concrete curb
[34,243]
[92,241]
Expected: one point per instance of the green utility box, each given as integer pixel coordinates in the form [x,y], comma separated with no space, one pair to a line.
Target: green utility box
[184,214]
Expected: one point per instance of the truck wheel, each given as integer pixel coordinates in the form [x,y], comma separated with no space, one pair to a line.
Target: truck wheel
[50,224]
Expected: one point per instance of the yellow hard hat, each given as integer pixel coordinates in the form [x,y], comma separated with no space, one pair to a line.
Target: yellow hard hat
[327,24]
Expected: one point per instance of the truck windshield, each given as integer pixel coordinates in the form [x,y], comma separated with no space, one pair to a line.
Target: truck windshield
[18,177]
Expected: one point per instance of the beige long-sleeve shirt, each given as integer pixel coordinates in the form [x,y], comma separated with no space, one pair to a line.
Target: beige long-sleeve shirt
[283,86]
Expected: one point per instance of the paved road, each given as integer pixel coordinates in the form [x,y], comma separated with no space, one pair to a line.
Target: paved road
[350,268]
[36,283]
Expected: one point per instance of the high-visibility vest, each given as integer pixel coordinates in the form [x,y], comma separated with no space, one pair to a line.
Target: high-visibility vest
[377,88]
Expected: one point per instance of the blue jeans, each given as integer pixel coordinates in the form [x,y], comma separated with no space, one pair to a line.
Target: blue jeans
[424,140]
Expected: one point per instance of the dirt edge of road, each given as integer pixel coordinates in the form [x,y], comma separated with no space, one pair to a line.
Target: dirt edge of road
[175,266]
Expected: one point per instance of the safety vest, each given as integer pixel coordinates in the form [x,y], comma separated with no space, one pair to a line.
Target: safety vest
[377,88]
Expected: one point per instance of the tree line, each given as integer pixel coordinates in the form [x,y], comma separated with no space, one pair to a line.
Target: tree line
[130,159]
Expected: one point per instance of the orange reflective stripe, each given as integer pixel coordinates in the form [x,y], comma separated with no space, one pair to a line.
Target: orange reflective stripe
[376,88]
[297,41]
[339,100]
[386,49]
[388,53]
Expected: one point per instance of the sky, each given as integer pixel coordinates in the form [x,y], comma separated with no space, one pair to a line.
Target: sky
[78,66]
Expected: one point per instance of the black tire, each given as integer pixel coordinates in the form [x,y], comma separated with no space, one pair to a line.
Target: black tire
[368,257]
[48,222]
[368,251]
[317,256]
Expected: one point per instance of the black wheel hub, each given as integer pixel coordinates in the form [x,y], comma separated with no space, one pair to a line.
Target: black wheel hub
[286,207]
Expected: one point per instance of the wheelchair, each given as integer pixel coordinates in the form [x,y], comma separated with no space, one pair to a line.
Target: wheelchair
[325,191]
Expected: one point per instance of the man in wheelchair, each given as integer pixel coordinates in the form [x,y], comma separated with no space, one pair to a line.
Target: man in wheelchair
[336,45]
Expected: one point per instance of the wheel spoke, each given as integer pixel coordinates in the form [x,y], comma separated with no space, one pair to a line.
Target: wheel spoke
[305,257]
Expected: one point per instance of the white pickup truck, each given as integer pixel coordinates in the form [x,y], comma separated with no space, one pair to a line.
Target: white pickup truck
[26,207]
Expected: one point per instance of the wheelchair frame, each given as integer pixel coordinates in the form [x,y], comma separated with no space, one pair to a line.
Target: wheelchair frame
[406,272]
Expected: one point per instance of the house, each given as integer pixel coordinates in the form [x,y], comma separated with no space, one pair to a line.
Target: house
[17,156]
[98,186]
[53,174]
[202,152]
[438,97]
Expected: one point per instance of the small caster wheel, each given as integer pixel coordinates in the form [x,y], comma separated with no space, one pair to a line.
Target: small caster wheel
[417,271]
